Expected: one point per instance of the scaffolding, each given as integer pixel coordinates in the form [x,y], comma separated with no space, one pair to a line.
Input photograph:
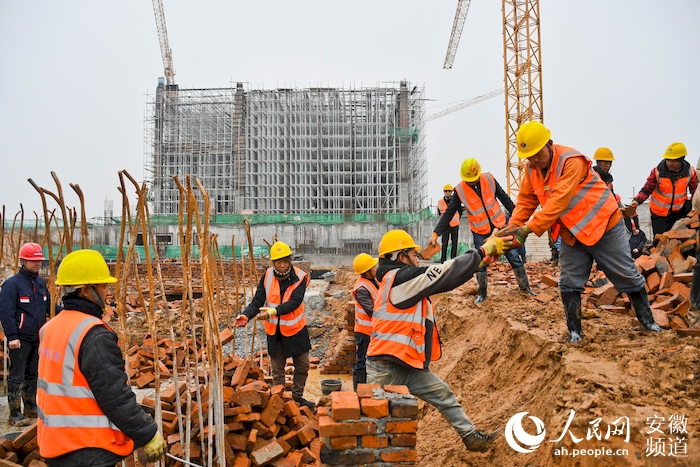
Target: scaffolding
[284,151]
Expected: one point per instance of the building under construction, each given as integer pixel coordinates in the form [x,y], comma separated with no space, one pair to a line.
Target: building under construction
[285,151]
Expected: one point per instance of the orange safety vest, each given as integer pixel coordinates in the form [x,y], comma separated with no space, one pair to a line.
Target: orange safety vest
[69,417]
[290,323]
[442,207]
[669,196]
[401,332]
[482,209]
[363,322]
[590,208]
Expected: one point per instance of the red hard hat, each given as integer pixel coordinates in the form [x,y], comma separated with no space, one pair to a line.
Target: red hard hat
[32,252]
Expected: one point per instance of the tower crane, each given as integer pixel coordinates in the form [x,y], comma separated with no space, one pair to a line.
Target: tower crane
[464,104]
[165,51]
[522,59]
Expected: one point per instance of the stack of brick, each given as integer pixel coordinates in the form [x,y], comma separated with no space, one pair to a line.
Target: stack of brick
[22,451]
[375,426]
[343,360]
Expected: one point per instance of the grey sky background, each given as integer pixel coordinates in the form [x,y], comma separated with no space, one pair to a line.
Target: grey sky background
[74,77]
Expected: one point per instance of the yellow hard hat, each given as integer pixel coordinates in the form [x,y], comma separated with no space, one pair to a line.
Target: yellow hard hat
[279,250]
[675,151]
[471,170]
[447,187]
[532,136]
[603,154]
[363,263]
[84,267]
[396,240]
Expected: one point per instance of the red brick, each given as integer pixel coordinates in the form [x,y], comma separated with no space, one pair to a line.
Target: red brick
[320,411]
[397,389]
[345,406]
[343,442]
[366,390]
[375,442]
[273,409]
[402,427]
[306,434]
[403,439]
[329,428]
[375,408]
[267,453]
[405,455]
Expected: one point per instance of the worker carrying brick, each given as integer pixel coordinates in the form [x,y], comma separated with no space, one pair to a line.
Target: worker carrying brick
[405,337]
[480,194]
[579,206]
[365,293]
[88,414]
[669,187]
[25,303]
[452,230]
[279,303]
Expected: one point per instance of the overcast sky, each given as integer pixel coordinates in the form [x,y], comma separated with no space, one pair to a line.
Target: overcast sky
[74,77]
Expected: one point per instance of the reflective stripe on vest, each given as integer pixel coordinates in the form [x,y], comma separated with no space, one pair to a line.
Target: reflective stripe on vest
[363,322]
[442,206]
[400,333]
[482,209]
[669,196]
[587,214]
[289,323]
[69,417]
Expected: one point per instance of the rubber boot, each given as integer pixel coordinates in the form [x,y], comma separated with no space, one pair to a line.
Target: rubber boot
[14,403]
[695,287]
[482,282]
[572,308]
[640,303]
[29,398]
[523,282]
[555,258]
[358,377]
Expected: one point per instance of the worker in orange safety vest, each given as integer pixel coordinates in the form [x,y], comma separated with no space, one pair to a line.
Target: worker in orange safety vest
[88,414]
[452,231]
[576,203]
[365,293]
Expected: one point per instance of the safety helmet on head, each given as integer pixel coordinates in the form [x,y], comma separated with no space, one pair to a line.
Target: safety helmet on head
[603,154]
[279,250]
[675,151]
[31,252]
[447,187]
[532,136]
[363,263]
[396,240]
[84,267]
[471,170]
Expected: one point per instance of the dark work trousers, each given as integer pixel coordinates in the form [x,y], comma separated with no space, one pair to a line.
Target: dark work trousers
[695,285]
[454,232]
[24,367]
[301,370]
[660,224]
[362,341]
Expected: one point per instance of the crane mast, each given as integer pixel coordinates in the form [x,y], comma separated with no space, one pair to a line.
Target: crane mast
[165,51]
[460,17]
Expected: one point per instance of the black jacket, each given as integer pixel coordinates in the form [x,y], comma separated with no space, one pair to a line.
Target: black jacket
[100,360]
[24,305]
[292,345]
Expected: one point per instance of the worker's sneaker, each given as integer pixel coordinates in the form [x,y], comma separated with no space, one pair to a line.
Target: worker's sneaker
[479,441]
[303,402]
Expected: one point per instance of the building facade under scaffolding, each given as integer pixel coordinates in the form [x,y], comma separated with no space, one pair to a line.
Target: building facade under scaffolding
[284,151]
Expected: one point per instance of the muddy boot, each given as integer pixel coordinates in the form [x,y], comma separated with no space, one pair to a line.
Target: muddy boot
[572,308]
[554,260]
[482,284]
[30,408]
[478,441]
[523,282]
[640,303]
[14,403]
[358,377]
[695,287]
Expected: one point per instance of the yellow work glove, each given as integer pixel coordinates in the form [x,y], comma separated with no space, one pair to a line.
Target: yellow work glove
[495,246]
[266,312]
[433,239]
[156,448]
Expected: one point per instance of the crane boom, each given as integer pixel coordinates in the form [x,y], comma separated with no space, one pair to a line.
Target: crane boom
[165,51]
[460,17]
[465,104]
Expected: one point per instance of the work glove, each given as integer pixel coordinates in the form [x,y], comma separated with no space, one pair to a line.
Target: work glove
[630,211]
[266,312]
[156,447]
[519,235]
[433,239]
[495,246]
[240,321]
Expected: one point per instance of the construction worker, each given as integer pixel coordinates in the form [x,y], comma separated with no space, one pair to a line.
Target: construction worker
[604,158]
[88,413]
[279,303]
[637,237]
[25,304]
[453,228]
[365,293]
[576,203]
[667,188]
[695,285]
[479,193]
[404,332]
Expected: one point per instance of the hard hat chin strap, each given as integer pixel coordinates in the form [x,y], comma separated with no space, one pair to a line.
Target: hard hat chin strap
[96,297]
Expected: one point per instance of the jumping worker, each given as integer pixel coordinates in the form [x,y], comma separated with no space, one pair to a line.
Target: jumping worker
[480,193]
[88,414]
[404,332]
[365,293]
[279,302]
[453,229]
[669,187]
[25,304]
[576,203]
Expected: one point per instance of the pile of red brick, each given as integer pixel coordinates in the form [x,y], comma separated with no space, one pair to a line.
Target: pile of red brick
[22,451]
[343,360]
